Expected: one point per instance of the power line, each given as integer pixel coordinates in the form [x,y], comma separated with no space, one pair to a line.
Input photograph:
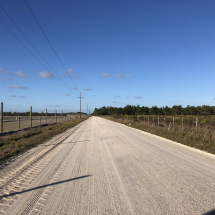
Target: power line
[29,8]
[28,50]
[33,47]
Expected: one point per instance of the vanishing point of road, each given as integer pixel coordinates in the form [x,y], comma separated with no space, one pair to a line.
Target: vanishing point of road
[103,167]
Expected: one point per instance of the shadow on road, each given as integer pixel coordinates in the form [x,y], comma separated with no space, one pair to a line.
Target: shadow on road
[43,186]
[210,212]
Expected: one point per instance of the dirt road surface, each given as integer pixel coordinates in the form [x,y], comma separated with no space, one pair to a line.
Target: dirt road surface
[102,167]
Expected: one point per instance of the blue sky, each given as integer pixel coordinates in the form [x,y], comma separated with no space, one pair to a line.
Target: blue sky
[117,52]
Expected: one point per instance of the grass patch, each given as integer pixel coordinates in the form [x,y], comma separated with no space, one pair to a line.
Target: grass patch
[16,144]
[203,139]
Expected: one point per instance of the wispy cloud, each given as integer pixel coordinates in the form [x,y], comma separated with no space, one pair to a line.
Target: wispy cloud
[72,74]
[117,96]
[88,89]
[94,95]
[96,72]
[116,102]
[73,88]
[22,97]
[18,87]
[19,74]
[12,96]
[46,75]
[214,98]
[54,105]
[4,71]
[0,78]
[10,79]
[121,76]
[67,94]
[138,97]
[105,74]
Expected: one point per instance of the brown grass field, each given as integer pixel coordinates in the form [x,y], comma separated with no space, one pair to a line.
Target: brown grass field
[10,123]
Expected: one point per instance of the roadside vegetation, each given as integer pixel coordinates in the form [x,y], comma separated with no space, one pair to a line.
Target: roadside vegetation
[18,143]
[194,131]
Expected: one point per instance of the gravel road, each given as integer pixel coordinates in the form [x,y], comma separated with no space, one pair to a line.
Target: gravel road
[102,167]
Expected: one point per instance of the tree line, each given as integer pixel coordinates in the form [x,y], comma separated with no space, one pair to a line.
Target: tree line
[154,110]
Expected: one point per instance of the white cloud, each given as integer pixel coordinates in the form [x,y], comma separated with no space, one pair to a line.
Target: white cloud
[73,88]
[22,97]
[19,74]
[71,73]
[96,72]
[46,74]
[0,78]
[67,94]
[4,71]
[18,87]
[138,97]
[87,89]
[10,79]
[105,74]
[121,76]
[13,96]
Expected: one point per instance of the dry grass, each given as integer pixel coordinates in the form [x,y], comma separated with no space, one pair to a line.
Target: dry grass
[203,138]
[16,144]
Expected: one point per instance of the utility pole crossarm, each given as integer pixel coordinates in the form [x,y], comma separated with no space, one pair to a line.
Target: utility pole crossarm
[80,103]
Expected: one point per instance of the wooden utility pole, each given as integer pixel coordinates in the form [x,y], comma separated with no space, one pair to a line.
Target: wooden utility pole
[80,103]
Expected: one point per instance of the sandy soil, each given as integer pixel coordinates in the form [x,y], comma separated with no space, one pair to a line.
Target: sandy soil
[102,167]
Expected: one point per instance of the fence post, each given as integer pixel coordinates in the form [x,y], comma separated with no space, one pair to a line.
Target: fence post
[1,117]
[173,122]
[196,124]
[158,121]
[56,116]
[18,123]
[31,116]
[46,115]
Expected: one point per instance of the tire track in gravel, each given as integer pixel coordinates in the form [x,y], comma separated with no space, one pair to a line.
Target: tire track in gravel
[16,176]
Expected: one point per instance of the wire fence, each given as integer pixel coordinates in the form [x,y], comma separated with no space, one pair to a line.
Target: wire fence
[173,122]
[15,121]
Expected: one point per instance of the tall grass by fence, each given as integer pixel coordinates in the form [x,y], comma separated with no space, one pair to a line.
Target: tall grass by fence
[194,123]
[195,131]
